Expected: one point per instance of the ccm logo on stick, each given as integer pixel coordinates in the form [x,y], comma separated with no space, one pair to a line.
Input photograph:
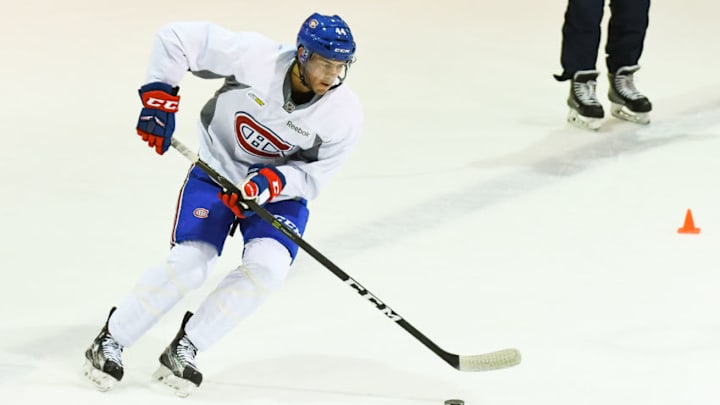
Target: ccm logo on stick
[373,299]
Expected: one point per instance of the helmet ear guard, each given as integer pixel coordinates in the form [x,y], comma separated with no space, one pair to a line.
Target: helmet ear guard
[304,55]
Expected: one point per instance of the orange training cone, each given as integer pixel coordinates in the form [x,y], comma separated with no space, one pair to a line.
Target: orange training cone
[689,225]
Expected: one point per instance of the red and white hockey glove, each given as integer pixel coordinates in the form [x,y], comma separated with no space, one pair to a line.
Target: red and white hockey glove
[263,184]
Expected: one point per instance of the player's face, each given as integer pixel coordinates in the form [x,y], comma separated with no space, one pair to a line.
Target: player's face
[322,73]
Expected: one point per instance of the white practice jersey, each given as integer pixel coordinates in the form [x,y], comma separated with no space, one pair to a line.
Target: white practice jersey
[252,119]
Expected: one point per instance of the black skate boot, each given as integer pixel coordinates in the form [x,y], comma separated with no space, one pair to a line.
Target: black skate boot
[177,364]
[627,102]
[103,359]
[585,109]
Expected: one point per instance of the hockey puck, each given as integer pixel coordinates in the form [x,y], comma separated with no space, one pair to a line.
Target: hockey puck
[454,402]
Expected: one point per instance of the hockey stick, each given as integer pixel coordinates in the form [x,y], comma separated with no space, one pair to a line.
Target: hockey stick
[479,362]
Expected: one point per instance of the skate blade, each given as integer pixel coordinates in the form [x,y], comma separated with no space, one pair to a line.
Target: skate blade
[583,122]
[102,381]
[181,387]
[624,113]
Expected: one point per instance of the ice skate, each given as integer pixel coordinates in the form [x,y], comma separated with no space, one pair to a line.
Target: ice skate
[627,102]
[177,364]
[103,359]
[585,109]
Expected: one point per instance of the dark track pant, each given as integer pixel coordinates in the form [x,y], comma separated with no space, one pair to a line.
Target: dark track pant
[581,34]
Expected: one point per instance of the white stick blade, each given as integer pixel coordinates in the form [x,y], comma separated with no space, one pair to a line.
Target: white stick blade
[490,361]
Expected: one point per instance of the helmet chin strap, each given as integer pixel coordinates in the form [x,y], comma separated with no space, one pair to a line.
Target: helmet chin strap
[301,74]
[300,61]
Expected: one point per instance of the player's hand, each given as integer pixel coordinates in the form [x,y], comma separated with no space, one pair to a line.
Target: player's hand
[157,118]
[263,184]
[234,202]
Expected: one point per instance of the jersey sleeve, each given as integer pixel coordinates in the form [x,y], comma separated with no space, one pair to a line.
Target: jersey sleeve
[204,48]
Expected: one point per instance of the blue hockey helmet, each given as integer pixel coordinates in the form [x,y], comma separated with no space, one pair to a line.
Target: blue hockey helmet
[328,36]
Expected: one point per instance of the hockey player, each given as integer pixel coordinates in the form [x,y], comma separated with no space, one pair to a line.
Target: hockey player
[581,39]
[279,126]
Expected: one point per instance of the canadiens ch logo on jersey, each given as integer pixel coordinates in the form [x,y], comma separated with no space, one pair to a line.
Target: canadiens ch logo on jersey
[258,140]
